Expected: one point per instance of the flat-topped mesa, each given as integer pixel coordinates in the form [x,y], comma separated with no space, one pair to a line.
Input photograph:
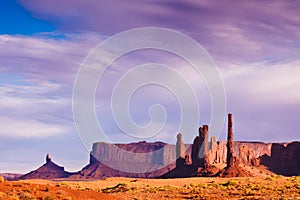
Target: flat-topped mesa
[230,158]
[180,151]
[48,158]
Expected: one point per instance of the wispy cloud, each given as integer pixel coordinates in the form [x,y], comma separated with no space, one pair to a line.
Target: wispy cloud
[265,98]
[243,31]
[37,75]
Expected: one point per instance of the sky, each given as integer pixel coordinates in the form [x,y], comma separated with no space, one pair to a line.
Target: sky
[254,44]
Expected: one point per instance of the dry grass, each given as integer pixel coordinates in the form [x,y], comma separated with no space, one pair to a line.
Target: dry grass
[271,187]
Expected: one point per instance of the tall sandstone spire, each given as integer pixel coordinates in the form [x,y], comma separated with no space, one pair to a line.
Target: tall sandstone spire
[180,148]
[180,151]
[230,158]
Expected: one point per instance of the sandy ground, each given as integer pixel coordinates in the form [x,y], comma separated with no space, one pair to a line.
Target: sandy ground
[271,187]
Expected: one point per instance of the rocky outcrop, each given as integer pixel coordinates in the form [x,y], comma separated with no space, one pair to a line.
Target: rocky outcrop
[284,159]
[49,170]
[200,148]
[233,171]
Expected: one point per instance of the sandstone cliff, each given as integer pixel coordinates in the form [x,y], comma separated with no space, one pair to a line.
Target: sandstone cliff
[140,160]
[284,159]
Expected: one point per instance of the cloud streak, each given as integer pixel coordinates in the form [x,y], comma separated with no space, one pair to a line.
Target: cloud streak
[244,31]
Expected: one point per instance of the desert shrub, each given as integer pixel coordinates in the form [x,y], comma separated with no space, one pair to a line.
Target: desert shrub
[230,183]
[249,192]
[25,196]
[166,188]
[255,187]
[2,194]
[269,178]
[287,186]
[293,178]
[160,188]
[46,189]
[121,187]
[2,179]
[48,198]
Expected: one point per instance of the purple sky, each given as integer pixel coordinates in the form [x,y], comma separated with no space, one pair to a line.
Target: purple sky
[255,44]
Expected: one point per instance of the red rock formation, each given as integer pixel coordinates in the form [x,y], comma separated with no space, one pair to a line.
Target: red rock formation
[230,158]
[97,170]
[212,153]
[203,131]
[49,170]
[233,171]
[187,160]
[246,155]
[200,148]
[284,159]
[48,158]
[195,151]
[180,151]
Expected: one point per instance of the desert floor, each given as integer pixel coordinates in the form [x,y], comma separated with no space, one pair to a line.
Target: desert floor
[272,187]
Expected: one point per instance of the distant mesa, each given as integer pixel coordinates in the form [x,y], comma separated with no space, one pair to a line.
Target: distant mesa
[108,153]
[205,158]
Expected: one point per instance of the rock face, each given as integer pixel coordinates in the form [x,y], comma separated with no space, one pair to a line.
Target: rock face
[98,170]
[109,160]
[246,155]
[49,170]
[245,152]
[284,159]
[143,156]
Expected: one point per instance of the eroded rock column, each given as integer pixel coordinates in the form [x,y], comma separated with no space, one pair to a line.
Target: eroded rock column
[213,150]
[200,148]
[180,151]
[230,158]
[203,135]
[48,158]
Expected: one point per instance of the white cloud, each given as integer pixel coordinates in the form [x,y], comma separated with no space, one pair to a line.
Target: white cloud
[264,83]
[28,128]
